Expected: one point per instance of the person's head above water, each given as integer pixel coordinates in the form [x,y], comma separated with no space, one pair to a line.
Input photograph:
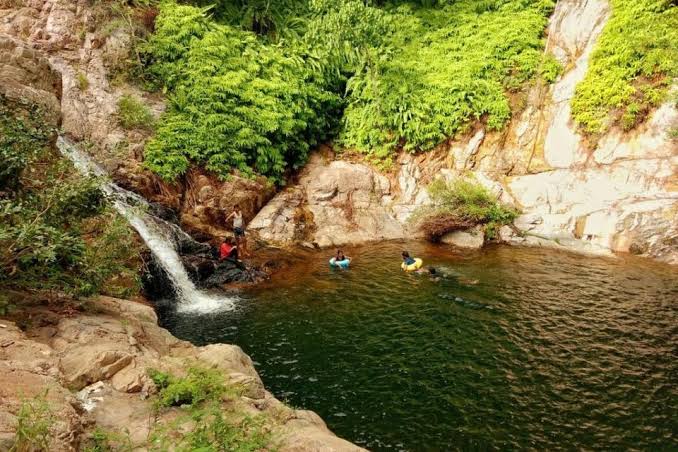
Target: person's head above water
[340,255]
[405,254]
[432,270]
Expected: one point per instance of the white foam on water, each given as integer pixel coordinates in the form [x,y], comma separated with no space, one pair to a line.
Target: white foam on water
[190,298]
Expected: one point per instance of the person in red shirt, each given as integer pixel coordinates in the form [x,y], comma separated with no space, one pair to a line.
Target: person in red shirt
[227,250]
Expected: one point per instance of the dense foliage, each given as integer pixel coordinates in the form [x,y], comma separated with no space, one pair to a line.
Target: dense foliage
[447,67]
[634,61]
[55,230]
[234,102]
[253,85]
[460,204]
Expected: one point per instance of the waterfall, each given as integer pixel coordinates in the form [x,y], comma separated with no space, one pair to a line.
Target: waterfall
[156,234]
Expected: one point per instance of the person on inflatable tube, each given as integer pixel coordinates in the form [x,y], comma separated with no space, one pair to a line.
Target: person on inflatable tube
[410,264]
[340,260]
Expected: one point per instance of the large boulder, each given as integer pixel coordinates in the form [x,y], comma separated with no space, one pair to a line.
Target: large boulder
[472,238]
[334,202]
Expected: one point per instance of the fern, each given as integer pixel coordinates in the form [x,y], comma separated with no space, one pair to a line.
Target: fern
[633,63]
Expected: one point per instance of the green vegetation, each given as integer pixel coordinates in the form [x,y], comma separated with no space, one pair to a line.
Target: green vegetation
[209,420]
[253,85]
[56,232]
[256,84]
[83,81]
[634,61]
[449,66]
[461,204]
[34,421]
[198,386]
[105,441]
[550,69]
[235,103]
[134,114]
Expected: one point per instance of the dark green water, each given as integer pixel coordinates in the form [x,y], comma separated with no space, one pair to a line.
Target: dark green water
[512,349]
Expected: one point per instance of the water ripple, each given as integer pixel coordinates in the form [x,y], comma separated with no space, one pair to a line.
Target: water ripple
[507,349]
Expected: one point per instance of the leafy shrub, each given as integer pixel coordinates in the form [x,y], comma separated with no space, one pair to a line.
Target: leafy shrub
[160,379]
[199,385]
[460,204]
[210,428]
[23,139]
[134,114]
[239,104]
[234,104]
[550,69]
[34,422]
[445,67]
[635,59]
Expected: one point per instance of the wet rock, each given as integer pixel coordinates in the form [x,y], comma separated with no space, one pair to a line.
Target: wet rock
[228,272]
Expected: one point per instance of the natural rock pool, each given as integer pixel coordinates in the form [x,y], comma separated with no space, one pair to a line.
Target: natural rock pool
[511,348]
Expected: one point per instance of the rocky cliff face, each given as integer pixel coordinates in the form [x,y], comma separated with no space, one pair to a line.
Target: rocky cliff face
[618,194]
[93,368]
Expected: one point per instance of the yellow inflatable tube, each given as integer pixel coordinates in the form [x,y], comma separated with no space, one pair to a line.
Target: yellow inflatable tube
[412,267]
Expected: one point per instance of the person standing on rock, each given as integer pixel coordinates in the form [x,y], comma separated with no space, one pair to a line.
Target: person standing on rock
[239,229]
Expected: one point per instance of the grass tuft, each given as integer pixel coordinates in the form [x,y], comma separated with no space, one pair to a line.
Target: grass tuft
[34,422]
[134,114]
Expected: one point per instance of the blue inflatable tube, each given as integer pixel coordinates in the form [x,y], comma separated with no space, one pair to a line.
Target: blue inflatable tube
[341,264]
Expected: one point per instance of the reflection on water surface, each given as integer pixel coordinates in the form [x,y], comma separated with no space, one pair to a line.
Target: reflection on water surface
[510,348]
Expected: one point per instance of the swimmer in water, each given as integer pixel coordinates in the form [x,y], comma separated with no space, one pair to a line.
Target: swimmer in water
[431,271]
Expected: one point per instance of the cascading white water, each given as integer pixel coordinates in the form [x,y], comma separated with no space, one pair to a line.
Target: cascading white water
[161,245]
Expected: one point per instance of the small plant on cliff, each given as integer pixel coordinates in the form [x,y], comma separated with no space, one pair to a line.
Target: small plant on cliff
[460,204]
[550,68]
[213,428]
[83,81]
[199,385]
[34,422]
[104,441]
[134,114]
